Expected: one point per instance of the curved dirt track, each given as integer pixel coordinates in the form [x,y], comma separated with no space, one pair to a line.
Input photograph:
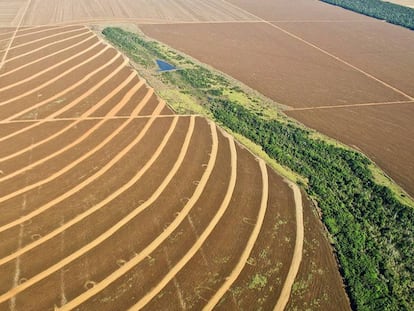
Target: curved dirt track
[102,128]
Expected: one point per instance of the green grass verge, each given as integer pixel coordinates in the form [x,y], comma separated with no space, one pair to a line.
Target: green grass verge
[369,223]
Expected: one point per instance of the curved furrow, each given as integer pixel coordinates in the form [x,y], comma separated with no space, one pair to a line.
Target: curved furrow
[47,56]
[47,37]
[73,103]
[297,252]
[144,253]
[36,27]
[41,34]
[85,135]
[54,79]
[111,231]
[202,238]
[39,73]
[44,46]
[77,120]
[250,243]
[104,202]
[72,165]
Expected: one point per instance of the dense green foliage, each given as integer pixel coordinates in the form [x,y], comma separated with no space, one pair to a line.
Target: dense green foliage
[372,232]
[392,13]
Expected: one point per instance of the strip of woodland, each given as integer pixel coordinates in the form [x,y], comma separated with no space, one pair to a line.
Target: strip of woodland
[369,227]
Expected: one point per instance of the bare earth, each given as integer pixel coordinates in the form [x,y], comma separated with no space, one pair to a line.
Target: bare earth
[310,54]
[108,199]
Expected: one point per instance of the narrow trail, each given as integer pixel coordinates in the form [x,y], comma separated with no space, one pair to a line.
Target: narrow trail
[54,66]
[203,237]
[323,51]
[166,233]
[45,46]
[37,60]
[80,139]
[352,105]
[73,103]
[229,280]
[14,36]
[297,252]
[87,181]
[50,81]
[101,204]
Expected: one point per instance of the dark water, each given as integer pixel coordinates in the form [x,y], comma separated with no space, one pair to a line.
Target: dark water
[164,66]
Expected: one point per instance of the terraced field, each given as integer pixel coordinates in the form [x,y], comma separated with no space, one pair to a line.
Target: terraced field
[109,200]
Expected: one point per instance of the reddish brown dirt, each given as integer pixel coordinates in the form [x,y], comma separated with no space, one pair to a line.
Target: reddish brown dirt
[286,10]
[273,63]
[60,224]
[385,133]
[389,56]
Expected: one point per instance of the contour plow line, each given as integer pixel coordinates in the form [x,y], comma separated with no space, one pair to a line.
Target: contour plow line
[39,73]
[45,46]
[47,37]
[55,79]
[203,237]
[85,135]
[110,232]
[73,103]
[297,252]
[47,56]
[101,204]
[250,243]
[166,233]
[27,28]
[87,181]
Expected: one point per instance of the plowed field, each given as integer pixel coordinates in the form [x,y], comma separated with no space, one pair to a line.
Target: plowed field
[309,54]
[110,201]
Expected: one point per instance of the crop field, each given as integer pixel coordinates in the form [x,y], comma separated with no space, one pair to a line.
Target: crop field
[109,200]
[41,12]
[311,56]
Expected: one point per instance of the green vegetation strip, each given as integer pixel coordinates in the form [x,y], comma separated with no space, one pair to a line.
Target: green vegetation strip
[390,12]
[370,226]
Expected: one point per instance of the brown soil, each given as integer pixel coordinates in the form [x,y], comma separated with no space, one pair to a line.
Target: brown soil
[385,133]
[273,63]
[49,11]
[104,193]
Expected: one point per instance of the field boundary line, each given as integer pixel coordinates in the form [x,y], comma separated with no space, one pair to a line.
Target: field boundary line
[40,276]
[202,238]
[81,138]
[78,218]
[67,168]
[47,37]
[297,252]
[230,279]
[45,46]
[352,105]
[50,81]
[14,35]
[72,103]
[84,95]
[164,235]
[325,52]
[34,32]
[56,65]
[47,56]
